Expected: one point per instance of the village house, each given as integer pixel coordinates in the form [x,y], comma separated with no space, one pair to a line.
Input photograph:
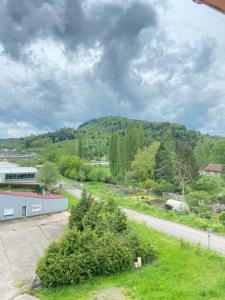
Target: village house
[215,170]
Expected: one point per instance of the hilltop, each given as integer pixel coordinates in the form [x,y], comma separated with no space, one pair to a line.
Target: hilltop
[95,135]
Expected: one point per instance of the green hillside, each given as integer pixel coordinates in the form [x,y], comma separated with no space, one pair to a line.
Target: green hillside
[95,135]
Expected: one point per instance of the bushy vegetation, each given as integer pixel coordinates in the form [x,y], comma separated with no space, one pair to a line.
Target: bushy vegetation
[98,242]
[182,272]
[158,157]
[222,217]
[203,218]
[48,175]
[96,135]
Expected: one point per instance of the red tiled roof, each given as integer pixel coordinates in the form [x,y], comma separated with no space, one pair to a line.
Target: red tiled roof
[216,4]
[214,168]
[32,195]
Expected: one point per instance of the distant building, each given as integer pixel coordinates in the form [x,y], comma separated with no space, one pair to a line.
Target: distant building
[11,173]
[215,170]
[15,205]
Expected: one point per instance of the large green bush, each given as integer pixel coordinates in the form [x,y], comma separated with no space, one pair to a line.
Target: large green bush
[80,255]
[70,260]
[209,184]
[99,174]
[99,242]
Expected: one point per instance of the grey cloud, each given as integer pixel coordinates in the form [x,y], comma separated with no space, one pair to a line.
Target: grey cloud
[142,72]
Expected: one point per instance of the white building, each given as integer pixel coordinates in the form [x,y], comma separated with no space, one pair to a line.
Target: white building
[11,173]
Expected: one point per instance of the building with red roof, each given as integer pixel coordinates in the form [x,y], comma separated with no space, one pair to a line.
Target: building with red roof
[15,205]
[215,170]
[216,4]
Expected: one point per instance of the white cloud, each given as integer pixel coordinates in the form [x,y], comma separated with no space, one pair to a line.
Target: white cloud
[169,70]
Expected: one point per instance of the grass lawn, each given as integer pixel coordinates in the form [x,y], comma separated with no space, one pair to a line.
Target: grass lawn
[107,191]
[182,272]
[72,200]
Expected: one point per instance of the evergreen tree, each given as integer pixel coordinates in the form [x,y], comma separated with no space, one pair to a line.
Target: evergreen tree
[121,159]
[134,140]
[114,154]
[79,211]
[165,167]
[203,152]
[186,165]
[80,148]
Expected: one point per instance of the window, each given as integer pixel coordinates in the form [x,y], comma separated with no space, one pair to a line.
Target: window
[8,212]
[20,176]
[36,207]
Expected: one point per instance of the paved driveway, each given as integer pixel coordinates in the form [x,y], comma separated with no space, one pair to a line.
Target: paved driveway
[22,243]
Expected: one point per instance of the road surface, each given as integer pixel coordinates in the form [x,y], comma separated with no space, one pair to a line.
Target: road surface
[217,242]
[22,243]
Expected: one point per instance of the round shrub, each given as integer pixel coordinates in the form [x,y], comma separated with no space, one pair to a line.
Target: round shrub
[113,255]
[70,260]
[146,250]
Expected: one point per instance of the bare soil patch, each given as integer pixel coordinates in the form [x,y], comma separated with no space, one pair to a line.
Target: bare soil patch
[113,293]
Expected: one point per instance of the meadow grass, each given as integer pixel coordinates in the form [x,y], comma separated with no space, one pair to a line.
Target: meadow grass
[108,191]
[72,200]
[181,272]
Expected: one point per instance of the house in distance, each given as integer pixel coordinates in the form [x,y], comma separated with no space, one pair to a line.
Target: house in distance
[215,170]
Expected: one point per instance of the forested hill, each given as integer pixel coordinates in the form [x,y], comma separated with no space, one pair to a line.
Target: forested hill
[100,128]
[96,133]
[153,130]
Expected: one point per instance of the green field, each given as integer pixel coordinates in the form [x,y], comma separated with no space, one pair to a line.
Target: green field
[72,200]
[107,191]
[182,272]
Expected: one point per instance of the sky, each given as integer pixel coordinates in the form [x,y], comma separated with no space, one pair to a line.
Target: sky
[63,62]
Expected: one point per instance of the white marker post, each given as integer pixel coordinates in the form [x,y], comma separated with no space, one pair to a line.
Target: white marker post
[209,236]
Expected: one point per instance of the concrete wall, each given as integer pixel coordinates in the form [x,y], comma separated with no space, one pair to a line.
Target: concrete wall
[34,206]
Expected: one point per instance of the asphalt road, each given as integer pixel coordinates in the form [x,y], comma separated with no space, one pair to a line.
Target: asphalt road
[217,242]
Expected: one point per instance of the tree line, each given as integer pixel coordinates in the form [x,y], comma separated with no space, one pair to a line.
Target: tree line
[169,160]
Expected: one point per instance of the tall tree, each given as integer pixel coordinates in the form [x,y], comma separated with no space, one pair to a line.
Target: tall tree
[48,175]
[114,154]
[80,148]
[144,162]
[121,158]
[186,165]
[134,140]
[203,152]
[165,167]
[218,152]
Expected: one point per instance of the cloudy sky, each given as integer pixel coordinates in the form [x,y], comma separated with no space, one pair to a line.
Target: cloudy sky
[63,62]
